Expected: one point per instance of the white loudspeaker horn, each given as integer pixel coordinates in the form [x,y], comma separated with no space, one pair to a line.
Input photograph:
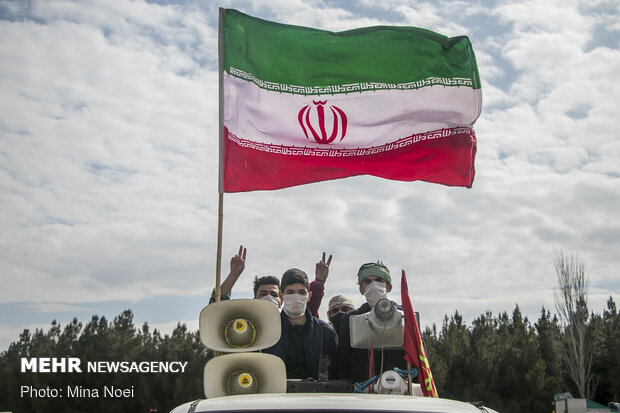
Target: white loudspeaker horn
[244,373]
[240,325]
[382,327]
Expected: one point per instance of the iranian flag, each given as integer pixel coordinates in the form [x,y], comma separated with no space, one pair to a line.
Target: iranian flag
[301,105]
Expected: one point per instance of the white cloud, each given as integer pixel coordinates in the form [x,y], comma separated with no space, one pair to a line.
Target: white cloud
[112,129]
[168,328]
[108,166]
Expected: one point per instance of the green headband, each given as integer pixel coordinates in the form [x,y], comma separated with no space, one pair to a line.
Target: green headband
[373,269]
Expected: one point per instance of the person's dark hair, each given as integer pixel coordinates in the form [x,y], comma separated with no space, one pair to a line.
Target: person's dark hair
[294,276]
[266,280]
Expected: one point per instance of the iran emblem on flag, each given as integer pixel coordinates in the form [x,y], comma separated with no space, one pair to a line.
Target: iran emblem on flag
[319,131]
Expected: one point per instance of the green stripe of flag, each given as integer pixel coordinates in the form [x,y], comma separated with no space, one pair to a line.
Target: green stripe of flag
[303,56]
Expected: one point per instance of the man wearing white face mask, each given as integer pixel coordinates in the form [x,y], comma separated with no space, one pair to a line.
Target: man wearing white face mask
[375,283]
[268,288]
[304,337]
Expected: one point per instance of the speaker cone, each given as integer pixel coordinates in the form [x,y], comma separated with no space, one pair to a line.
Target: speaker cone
[242,382]
[240,333]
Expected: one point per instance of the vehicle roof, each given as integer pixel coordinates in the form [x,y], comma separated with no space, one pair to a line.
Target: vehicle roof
[341,402]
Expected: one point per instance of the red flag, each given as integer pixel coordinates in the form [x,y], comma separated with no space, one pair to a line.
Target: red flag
[414,348]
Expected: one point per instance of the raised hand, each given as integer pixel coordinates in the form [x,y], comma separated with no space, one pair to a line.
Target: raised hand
[322,268]
[237,263]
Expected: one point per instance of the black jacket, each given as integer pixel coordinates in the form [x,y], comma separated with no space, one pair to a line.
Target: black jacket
[318,335]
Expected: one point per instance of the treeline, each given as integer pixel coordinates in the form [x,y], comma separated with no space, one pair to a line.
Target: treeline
[101,340]
[504,361]
[514,366]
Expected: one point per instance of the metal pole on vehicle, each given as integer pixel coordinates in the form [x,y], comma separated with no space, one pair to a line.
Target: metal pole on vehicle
[409,378]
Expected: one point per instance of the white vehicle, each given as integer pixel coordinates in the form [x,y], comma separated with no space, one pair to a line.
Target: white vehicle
[328,402]
[246,381]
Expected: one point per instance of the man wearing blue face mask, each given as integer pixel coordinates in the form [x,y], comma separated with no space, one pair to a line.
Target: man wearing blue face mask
[354,364]
[304,338]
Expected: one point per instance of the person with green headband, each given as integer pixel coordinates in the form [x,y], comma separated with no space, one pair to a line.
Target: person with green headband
[375,282]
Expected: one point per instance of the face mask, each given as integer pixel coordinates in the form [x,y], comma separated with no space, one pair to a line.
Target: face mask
[335,320]
[294,305]
[374,292]
[271,299]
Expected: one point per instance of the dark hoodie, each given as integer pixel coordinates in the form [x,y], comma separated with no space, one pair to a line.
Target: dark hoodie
[318,336]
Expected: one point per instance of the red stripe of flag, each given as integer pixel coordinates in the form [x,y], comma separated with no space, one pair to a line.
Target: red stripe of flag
[448,160]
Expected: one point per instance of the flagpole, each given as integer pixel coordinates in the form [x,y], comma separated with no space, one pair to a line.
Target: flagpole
[409,379]
[218,262]
[220,210]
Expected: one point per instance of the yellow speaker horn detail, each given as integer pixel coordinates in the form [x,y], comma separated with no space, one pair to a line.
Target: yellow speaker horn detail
[240,325]
[245,380]
[240,333]
[242,382]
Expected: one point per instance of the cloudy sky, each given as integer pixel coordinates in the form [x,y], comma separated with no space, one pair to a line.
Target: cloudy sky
[109,151]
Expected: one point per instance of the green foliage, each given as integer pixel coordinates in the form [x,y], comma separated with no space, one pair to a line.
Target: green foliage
[605,333]
[513,366]
[100,340]
[504,360]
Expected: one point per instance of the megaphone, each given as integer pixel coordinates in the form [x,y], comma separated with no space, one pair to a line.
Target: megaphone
[390,382]
[244,373]
[382,327]
[239,325]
